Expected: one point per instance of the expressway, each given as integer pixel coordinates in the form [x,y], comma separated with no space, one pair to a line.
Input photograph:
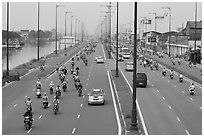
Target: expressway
[75,115]
[166,105]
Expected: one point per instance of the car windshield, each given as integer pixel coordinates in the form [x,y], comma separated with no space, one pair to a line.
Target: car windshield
[99,57]
[141,76]
[96,92]
[129,63]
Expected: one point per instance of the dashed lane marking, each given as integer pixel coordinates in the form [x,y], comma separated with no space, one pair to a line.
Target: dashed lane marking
[15,105]
[168,81]
[187,132]
[182,91]
[157,90]
[81,105]
[87,78]
[175,86]
[48,105]
[40,116]
[73,130]
[201,108]
[178,119]
[85,89]
[86,83]
[29,130]
[163,98]
[25,97]
[169,107]
[191,99]
[78,116]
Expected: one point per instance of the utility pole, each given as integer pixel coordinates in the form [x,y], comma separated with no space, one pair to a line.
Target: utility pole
[134,121]
[116,75]
[195,33]
[7,38]
[109,48]
[78,29]
[75,29]
[38,56]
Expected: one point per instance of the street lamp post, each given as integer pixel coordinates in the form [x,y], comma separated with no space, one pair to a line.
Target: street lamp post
[65,27]
[134,121]
[56,28]
[116,75]
[195,33]
[78,29]
[169,8]
[75,29]
[7,40]
[38,55]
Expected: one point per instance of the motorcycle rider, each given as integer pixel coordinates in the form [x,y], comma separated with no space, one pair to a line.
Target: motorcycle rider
[45,99]
[77,70]
[28,103]
[38,84]
[28,114]
[180,77]
[51,85]
[64,86]
[171,73]
[164,71]
[56,102]
[58,91]
[192,88]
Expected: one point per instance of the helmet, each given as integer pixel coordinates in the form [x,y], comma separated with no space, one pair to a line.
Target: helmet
[50,81]
[28,98]
[58,85]
[45,94]
[192,83]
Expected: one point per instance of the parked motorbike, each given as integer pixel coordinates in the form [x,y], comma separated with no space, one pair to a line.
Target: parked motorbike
[55,108]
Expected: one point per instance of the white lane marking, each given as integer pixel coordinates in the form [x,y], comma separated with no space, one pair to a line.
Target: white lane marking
[163,77]
[169,107]
[137,104]
[85,89]
[40,116]
[168,81]
[73,130]
[78,116]
[182,91]
[191,99]
[115,107]
[81,105]
[25,97]
[29,130]
[178,119]
[163,98]
[15,105]
[201,108]
[152,85]
[157,90]
[87,78]
[175,86]
[48,105]
[86,83]
[187,132]
[104,53]
[147,80]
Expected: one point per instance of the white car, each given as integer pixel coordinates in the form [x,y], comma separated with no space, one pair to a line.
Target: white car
[99,59]
[126,56]
[129,66]
[96,96]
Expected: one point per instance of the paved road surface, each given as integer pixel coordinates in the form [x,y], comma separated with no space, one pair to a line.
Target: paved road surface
[75,116]
[166,105]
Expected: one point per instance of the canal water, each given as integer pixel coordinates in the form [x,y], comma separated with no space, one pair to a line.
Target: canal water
[26,53]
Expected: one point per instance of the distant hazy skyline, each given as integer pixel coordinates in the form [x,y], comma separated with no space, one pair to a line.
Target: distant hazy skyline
[23,15]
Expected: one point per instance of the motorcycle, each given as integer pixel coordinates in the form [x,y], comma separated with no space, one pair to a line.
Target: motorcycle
[45,104]
[151,67]
[80,92]
[180,79]
[29,109]
[38,93]
[156,66]
[28,122]
[179,62]
[64,87]
[164,73]
[55,108]
[171,76]
[51,90]
[58,94]
[191,91]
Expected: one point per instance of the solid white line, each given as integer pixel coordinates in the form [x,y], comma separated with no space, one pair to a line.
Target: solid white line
[15,105]
[152,85]
[73,130]
[138,107]
[104,53]
[114,103]
[29,130]
[187,132]
[178,119]
[40,116]
[78,116]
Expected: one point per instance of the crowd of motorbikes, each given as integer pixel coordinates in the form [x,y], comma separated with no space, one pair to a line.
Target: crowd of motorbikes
[62,71]
[146,62]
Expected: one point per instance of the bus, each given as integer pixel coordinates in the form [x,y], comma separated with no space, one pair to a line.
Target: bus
[126,53]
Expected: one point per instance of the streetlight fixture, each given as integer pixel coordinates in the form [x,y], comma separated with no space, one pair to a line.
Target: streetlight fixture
[56,27]
[169,8]
[155,14]
[66,27]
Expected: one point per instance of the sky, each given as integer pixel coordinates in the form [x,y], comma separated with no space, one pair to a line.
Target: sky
[23,15]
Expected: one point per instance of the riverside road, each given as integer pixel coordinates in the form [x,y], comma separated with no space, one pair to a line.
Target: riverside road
[166,106]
